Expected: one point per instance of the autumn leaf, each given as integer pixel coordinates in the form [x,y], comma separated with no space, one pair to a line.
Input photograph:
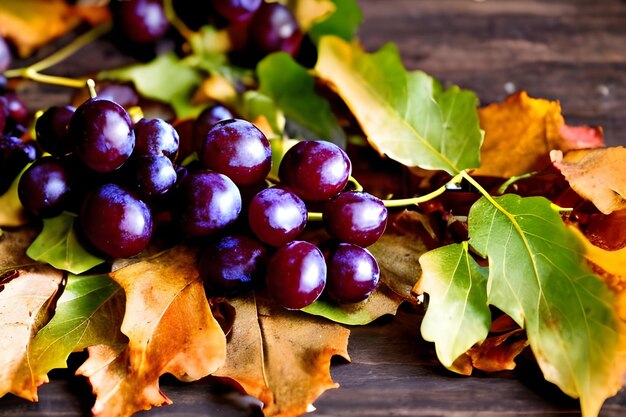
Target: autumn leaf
[30,24]
[281,357]
[12,213]
[25,302]
[405,115]
[13,244]
[170,329]
[596,174]
[58,245]
[308,12]
[520,133]
[538,277]
[498,352]
[458,315]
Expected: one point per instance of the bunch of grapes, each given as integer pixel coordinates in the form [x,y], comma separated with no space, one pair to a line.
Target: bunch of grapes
[255,27]
[124,179]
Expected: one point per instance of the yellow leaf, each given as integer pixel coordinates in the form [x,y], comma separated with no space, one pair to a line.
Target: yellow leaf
[596,174]
[170,329]
[24,303]
[282,357]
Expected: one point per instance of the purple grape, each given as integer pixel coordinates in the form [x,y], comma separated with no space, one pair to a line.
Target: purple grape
[355,217]
[274,28]
[315,170]
[14,155]
[232,265]
[296,275]
[207,202]
[6,57]
[237,10]
[239,150]
[4,114]
[353,274]
[51,130]
[18,111]
[116,222]
[205,121]
[142,20]
[44,188]
[155,175]
[277,216]
[156,137]
[123,94]
[102,134]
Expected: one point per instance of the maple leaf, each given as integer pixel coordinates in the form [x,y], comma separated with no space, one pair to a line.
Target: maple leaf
[521,131]
[25,302]
[405,115]
[170,329]
[281,357]
[538,278]
[33,23]
[596,174]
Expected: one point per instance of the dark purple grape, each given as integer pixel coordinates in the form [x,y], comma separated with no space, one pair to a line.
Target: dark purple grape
[123,94]
[232,265]
[18,111]
[238,149]
[315,170]
[205,121]
[142,20]
[156,137]
[44,188]
[355,217]
[296,275]
[353,273]
[207,202]
[6,57]
[274,28]
[116,222]
[102,134]
[155,175]
[4,114]
[277,216]
[237,10]
[51,130]
[14,155]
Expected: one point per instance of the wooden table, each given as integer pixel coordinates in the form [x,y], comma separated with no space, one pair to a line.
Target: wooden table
[571,50]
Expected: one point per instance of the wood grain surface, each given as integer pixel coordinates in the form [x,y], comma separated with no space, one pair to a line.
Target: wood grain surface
[571,50]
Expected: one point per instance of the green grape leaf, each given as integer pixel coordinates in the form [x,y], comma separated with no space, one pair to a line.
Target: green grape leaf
[88,313]
[538,276]
[255,104]
[58,245]
[293,90]
[167,78]
[343,22]
[458,315]
[381,302]
[405,115]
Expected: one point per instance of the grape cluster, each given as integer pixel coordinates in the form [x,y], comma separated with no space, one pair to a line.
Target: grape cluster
[125,179]
[255,27]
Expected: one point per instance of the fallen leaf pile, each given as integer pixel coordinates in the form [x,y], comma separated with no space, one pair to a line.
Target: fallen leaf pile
[516,244]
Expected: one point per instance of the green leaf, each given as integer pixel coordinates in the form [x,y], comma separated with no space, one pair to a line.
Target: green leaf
[538,276]
[458,315]
[255,104]
[293,89]
[58,245]
[381,302]
[88,313]
[405,115]
[344,22]
[167,78]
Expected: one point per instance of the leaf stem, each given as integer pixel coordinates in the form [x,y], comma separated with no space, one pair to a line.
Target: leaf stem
[175,21]
[33,71]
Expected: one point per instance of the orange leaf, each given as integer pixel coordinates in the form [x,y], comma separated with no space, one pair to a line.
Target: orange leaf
[282,357]
[170,328]
[30,24]
[25,301]
[597,174]
[521,131]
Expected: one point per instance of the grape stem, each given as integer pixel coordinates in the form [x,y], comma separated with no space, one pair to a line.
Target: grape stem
[403,202]
[33,71]
[175,21]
